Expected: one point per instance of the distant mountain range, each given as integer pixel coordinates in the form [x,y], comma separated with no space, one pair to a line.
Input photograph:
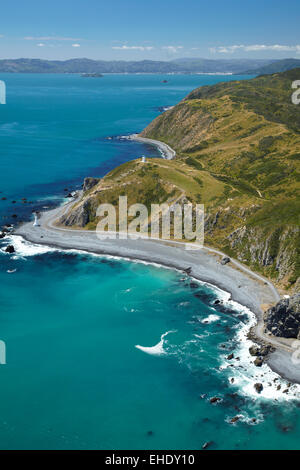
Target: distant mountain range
[187,65]
[144,66]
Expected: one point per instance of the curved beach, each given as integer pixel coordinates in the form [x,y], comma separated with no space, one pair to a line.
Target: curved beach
[167,152]
[246,287]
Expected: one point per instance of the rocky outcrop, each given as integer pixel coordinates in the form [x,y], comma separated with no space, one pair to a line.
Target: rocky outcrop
[260,350]
[79,216]
[10,249]
[89,183]
[284,318]
[258,387]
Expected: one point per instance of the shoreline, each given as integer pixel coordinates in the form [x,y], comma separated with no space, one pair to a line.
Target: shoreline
[245,287]
[167,152]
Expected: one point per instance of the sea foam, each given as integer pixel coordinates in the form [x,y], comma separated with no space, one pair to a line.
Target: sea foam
[158,349]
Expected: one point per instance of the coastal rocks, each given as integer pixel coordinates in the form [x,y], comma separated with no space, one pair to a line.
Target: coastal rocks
[10,249]
[231,356]
[260,350]
[254,350]
[2,234]
[284,318]
[258,362]
[258,387]
[215,400]
[225,260]
[89,183]
[234,419]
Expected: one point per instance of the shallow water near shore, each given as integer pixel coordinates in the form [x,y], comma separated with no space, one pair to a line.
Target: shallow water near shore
[101,352]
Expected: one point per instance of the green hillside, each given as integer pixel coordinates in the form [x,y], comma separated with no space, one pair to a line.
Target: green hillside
[238,152]
[275,67]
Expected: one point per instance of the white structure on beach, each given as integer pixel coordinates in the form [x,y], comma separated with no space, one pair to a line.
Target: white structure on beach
[35,223]
[143,159]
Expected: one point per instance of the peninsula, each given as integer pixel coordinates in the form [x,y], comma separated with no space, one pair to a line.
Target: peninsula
[237,148]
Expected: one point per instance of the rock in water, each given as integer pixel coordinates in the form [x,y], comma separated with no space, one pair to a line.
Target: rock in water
[10,249]
[235,419]
[258,362]
[258,387]
[284,318]
[214,399]
[254,350]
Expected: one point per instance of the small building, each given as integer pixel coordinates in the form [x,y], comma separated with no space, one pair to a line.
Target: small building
[143,159]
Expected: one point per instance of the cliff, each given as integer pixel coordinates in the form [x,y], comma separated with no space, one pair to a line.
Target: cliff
[284,318]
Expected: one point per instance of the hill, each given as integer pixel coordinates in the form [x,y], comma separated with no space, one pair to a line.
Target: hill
[121,66]
[238,152]
[275,67]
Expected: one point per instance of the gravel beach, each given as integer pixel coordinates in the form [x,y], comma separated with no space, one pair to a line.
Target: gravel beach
[247,288]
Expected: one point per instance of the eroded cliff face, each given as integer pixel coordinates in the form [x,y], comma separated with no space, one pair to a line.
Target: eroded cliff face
[79,216]
[273,251]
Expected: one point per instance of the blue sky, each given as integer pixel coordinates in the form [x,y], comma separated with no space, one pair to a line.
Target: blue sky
[152,29]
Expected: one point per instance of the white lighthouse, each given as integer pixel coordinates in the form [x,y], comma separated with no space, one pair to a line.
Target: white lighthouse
[35,223]
[143,159]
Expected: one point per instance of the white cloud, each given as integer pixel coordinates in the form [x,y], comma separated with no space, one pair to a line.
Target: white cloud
[133,48]
[75,45]
[50,38]
[40,44]
[173,49]
[254,47]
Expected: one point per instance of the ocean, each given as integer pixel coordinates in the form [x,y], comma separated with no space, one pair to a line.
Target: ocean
[103,353]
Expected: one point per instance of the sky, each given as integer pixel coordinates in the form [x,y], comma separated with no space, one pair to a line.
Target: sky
[152,29]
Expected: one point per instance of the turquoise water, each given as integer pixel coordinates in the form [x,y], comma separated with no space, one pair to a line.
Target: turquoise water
[74,378]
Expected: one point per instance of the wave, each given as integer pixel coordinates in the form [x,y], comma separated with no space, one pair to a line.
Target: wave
[24,248]
[210,319]
[158,349]
[245,375]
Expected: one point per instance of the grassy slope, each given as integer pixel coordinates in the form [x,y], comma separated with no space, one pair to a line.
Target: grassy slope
[246,134]
[238,151]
